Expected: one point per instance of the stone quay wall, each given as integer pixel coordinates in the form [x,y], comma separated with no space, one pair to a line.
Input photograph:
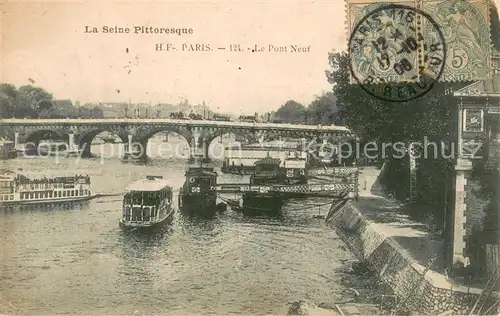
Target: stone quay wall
[416,292]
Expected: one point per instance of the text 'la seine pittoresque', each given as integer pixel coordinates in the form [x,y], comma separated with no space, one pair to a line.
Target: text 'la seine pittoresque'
[138,30]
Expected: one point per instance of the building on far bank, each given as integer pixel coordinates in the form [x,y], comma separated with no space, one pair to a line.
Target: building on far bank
[111,109]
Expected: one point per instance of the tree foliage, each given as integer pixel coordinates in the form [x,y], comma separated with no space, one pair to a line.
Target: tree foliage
[35,97]
[291,112]
[12,104]
[35,102]
[323,110]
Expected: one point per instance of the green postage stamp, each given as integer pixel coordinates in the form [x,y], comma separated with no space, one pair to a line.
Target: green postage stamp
[466,28]
[399,41]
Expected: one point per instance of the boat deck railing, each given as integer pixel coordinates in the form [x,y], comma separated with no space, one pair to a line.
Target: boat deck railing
[22,179]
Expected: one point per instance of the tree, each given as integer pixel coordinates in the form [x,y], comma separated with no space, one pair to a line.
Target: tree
[11,103]
[36,98]
[8,100]
[323,110]
[291,112]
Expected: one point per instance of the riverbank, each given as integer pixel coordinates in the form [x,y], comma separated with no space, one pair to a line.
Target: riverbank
[401,252]
[364,294]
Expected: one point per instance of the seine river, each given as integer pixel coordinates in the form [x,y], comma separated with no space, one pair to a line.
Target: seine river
[76,260]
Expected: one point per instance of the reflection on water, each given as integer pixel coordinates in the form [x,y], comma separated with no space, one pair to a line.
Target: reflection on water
[76,260]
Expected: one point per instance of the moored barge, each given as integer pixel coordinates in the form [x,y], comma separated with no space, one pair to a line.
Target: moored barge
[197,194]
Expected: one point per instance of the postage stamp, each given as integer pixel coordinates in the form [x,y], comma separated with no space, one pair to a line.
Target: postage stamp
[466,28]
[385,46]
[376,40]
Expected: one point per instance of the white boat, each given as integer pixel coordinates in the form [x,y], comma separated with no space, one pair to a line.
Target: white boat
[18,189]
[147,203]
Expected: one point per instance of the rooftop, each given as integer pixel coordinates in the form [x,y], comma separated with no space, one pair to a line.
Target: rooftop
[148,185]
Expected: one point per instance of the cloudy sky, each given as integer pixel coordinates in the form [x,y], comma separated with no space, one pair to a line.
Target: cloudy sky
[46,43]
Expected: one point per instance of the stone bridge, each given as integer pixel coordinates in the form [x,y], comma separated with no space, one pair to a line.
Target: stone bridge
[198,133]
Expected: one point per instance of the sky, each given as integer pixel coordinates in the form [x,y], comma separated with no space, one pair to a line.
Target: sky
[46,43]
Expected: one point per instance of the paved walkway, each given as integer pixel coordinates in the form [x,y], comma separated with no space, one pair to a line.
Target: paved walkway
[413,237]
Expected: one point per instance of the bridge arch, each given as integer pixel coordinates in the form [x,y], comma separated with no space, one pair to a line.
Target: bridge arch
[33,139]
[144,140]
[215,150]
[36,136]
[218,133]
[85,140]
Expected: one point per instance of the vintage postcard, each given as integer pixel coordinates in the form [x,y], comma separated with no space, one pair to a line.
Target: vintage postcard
[247,158]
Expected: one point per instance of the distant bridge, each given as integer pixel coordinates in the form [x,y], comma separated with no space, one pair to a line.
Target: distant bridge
[198,133]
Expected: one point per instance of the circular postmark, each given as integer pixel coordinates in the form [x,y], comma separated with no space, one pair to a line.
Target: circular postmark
[391,57]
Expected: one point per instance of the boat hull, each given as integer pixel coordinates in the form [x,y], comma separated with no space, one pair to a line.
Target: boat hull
[146,226]
[255,203]
[199,203]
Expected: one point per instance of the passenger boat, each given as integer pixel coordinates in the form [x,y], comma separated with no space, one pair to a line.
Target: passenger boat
[147,203]
[18,189]
[196,193]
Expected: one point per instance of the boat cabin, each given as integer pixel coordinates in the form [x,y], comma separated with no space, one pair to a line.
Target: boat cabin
[200,180]
[295,169]
[147,200]
[267,165]
[267,171]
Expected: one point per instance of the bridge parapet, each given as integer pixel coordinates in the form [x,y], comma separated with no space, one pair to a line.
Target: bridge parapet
[191,123]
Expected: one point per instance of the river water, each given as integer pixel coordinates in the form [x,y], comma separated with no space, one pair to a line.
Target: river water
[76,260]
